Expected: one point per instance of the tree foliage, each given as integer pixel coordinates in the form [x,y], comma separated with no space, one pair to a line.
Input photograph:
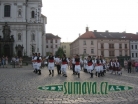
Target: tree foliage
[59,52]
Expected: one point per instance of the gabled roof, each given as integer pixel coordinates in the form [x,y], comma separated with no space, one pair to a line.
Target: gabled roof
[51,36]
[87,35]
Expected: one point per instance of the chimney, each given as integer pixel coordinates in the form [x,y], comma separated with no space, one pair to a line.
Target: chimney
[87,29]
[136,33]
[79,34]
[107,31]
[95,31]
[124,31]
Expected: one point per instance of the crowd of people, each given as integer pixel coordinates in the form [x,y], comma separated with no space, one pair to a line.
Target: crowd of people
[4,61]
[76,63]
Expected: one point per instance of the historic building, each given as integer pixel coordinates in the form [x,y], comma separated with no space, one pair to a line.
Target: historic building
[52,43]
[85,44]
[107,44]
[66,48]
[22,27]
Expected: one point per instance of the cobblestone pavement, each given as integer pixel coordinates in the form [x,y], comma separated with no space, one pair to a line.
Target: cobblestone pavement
[20,86]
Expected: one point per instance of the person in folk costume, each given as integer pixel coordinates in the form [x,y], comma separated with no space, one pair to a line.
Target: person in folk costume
[85,64]
[102,62]
[34,60]
[58,64]
[73,64]
[90,66]
[119,68]
[111,66]
[97,60]
[39,60]
[51,64]
[64,62]
[114,68]
[78,61]
[97,67]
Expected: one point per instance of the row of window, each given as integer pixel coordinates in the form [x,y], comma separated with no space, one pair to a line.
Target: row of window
[7,12]
[112,45]
[134,47]
[134,54]
[84,42]
[111,53]
[51,41]
[51,46]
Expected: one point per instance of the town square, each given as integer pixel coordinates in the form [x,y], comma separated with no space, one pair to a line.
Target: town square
[68,52]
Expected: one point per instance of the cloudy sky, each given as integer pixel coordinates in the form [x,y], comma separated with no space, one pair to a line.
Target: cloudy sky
[68,18]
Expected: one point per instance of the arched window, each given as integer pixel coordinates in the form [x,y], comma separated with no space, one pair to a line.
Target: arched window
[7,11]
[33,14]
[33,37]
[19,36]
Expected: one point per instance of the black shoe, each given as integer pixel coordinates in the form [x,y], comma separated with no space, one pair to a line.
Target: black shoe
[36,71]
[49,72]
[39,72]
[91,75]
[65,75]
[78,75]
[96,73]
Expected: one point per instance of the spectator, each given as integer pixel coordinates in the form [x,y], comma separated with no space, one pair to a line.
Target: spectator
[3,61]
[129,66]
[133,65]
[6,61]
[20,62]
[136,66]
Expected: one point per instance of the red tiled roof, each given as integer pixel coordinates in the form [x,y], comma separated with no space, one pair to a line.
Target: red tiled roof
[87,35]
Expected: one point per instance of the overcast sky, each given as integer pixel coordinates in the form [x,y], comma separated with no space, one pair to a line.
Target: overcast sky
[68,18]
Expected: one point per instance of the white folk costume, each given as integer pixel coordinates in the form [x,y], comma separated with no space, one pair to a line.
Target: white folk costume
[102,63]
[78,61]
[90,67]
[51,64]
[98,67]
[111,66]
[35,64]
[64,62]
[39,60]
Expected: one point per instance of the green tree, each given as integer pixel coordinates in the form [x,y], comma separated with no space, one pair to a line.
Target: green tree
[59,52]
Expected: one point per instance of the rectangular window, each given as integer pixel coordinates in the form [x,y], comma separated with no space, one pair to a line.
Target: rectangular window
[46,46]
[102,53]
[102,45]
[84,51]
[51,46]
[120,52]
[111,45]
[135,46]
[132,54]
[92,51]
[120,45]
[7,11]
[46,41]
[125,45]
[136,55]
[64,51]
[131,46]
[111,53]
[125,52]
[64,46]
[56,41]
[84,42]
[91,42]
[51,41]
[55,46]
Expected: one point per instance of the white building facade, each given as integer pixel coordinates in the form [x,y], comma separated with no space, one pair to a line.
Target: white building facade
[134,49]
[27,25]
